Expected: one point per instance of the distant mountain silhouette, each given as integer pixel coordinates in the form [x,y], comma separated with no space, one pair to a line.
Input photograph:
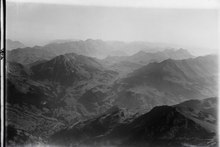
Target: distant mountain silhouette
[89,47]
[130,63]
[99,48]
[144,58]
[29,55]
[11,44]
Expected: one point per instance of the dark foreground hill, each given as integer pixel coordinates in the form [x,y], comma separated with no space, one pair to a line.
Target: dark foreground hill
[162,126]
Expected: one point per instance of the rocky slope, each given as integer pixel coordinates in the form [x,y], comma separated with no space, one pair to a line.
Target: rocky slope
[168,82]
[40,104]
[67,68]
[203,112]
[162,126]
[29,108]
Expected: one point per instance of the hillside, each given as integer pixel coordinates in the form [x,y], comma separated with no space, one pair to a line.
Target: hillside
[168,82]
[67,68]
[162,126]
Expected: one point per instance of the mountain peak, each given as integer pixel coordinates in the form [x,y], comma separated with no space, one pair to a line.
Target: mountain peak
[67,68]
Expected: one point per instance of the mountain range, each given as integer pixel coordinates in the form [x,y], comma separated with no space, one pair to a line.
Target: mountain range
[144,58]
[127,64]
[11,44]
[89,47]
[29,55]
[62,90]
[162,126]
[168,82]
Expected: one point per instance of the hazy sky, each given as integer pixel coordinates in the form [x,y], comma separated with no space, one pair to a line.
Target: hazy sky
[38,23]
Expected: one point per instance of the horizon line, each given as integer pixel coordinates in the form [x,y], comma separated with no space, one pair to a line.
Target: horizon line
[173,4]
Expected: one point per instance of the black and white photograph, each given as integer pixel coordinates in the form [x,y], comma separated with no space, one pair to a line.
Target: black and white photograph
[98,73]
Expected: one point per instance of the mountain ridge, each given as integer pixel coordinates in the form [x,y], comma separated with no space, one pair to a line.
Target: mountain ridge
[162,126]
[177,79]
[11,44]
[67,68]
